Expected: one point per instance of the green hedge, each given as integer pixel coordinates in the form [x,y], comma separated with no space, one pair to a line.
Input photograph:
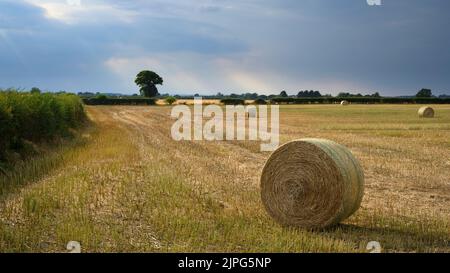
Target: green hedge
[35,117]
[118,101]
[361,100]
[232,101]
[260,101]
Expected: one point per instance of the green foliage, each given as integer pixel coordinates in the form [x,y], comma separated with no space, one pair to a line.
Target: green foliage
[35,117]
[101,97]
[6,124]
[260,101]
[283,94]
[35,90]
[424,93]
[117,101]
[309,94]
[232,101]
[149,91]
[359,95]
[362,100]
[147,81]
[170,100]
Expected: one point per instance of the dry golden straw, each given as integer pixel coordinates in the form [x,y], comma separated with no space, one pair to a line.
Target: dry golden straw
[312,183]
[426,112]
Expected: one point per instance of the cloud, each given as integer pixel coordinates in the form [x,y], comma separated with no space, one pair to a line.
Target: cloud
[225,45]
[181,69]
[84,12]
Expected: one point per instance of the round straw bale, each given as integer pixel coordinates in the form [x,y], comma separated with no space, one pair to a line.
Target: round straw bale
[311,183]
[426,112]
[345,102]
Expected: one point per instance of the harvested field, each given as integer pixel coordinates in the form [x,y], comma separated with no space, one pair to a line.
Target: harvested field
[131,188]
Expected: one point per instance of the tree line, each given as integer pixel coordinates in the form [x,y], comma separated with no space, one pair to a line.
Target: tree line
[147,81]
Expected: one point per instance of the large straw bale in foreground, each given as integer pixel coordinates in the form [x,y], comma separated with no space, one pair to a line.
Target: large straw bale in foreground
[426,112]
[312,183]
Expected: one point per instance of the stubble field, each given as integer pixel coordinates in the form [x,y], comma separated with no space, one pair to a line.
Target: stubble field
[126,186]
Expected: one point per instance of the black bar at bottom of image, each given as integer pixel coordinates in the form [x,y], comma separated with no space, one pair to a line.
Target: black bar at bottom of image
[220,262]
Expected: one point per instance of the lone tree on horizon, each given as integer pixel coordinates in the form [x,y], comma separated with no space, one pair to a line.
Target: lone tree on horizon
[147,81]
[424,93]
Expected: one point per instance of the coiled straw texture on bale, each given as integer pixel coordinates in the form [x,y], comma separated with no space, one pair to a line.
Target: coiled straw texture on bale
[426,112]
[344,102]
[312,184]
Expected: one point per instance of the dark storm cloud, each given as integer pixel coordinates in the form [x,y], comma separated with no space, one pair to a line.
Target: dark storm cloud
[227,46]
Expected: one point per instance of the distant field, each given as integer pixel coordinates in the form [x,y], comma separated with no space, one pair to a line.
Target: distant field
[130,187]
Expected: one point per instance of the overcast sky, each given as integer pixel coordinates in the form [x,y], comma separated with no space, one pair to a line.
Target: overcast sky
[210,46]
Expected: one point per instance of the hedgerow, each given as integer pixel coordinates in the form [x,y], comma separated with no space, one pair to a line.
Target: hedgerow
[117,101]
[36,117]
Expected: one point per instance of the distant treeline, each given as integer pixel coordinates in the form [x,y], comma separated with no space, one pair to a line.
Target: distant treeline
[35,117]
[305,96]
[363,100]
[336,100]
[119,101]
[309,95]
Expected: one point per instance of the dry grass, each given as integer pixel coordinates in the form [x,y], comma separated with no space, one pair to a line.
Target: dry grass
[131,188]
